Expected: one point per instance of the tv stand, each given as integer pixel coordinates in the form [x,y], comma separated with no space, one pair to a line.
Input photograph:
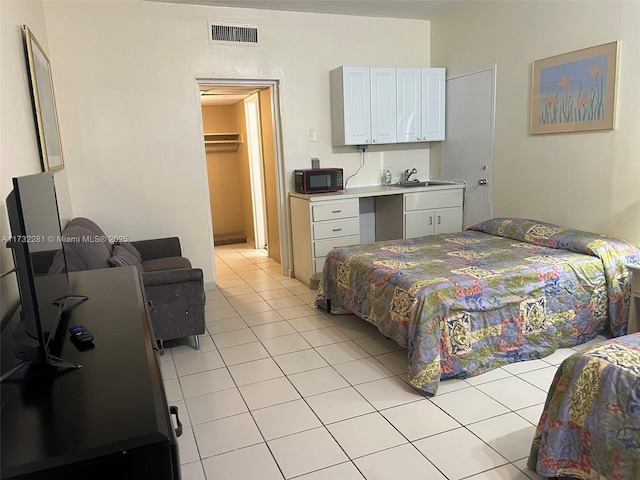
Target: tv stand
[110,418]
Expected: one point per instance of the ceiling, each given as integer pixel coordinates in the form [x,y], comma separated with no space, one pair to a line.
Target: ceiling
[416,9]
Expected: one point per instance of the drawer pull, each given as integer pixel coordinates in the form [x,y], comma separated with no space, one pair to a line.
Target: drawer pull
[430,220]
[337,229]
[336,211]
[439,219]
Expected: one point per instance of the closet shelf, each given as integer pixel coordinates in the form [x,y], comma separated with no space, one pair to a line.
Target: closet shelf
[223,141]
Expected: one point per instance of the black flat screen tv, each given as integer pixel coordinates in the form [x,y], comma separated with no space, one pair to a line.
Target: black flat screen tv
[38,256]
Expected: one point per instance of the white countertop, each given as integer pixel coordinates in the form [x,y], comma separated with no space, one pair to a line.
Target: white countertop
[373,191]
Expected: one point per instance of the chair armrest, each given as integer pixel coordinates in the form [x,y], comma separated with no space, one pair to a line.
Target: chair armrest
[165,277]
[158,248]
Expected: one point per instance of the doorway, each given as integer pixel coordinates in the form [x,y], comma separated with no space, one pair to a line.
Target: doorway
[244,165]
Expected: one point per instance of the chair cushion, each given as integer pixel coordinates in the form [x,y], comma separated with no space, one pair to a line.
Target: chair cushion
[58,265]
[83,251]
[130,248]
[166,263]
[98,234]
[122,258]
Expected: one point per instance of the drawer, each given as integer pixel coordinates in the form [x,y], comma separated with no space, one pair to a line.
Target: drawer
[335,210]
[321,248]
[318,267]
[431,200]
[339,228]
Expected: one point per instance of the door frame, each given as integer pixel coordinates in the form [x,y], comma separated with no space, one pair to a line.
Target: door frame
[283,220]
[256,167]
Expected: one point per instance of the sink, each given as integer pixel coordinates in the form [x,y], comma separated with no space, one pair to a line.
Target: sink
[410,184]
[424,184]
[441,182]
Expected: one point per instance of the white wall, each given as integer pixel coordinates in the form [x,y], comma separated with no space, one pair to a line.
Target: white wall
[126,89]
[18,144]
[582,180]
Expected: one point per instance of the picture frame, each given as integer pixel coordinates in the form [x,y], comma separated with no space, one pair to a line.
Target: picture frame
[44,104]
[575,91]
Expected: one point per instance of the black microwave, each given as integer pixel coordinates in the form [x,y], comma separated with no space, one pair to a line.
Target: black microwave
[319,180]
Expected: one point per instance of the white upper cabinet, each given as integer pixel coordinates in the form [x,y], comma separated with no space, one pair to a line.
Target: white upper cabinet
[351,105]
[382,105]
[409,104]
[420,99]
[433,103]
[363,105]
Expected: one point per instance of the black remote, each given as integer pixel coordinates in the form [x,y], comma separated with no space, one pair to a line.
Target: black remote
[80,334]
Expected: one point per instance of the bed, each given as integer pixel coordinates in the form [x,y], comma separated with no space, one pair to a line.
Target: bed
[590,425]
[503,291]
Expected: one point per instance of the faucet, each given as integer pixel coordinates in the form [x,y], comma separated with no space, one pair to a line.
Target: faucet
[408,173]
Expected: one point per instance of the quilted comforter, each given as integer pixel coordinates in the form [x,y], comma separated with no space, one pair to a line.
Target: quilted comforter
[590,426]
[506,290]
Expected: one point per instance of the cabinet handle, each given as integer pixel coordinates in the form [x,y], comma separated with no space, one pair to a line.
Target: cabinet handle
[424,138]
[418,138]
[337,229]
[336,211]
[173,410]
[430,220]
[368,141]
[374,140]
[439,219]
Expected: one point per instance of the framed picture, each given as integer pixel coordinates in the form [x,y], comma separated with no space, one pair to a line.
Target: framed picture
[44,104]
[575,91]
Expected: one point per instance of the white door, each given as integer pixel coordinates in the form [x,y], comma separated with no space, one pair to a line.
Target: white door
[467,154]
[383,105]
[418,224]
[447,220]
[254,144]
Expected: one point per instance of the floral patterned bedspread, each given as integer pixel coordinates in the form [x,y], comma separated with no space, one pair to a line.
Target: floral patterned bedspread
[504,291]
[590,426]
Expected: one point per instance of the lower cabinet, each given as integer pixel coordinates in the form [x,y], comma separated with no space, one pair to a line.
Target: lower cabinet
[429,213]
[317,228]
[321,223]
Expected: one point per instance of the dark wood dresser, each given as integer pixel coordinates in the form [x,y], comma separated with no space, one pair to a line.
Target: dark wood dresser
[106,420]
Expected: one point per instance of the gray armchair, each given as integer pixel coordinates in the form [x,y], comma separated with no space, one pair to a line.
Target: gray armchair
[174,290]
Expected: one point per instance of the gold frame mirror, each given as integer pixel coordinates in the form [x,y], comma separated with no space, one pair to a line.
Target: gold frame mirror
[44,104]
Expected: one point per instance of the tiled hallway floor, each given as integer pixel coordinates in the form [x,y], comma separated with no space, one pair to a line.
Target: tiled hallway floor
[281,390]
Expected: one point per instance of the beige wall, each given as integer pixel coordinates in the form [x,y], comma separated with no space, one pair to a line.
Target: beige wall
[18,144]
[222,168]
[127,95]
[582,180]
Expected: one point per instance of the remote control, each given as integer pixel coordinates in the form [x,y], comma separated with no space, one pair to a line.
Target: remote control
[80,334]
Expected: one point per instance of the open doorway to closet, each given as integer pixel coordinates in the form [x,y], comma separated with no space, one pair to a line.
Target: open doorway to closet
[241,126]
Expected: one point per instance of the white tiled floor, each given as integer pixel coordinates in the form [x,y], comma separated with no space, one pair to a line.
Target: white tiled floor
[280,390]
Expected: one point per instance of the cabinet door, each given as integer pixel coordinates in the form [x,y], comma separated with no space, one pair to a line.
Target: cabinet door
[433,103]
[357,105]
[447,220]
[418,224]
[409,104]
[383,105]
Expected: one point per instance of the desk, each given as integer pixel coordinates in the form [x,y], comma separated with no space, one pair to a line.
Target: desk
[322,221]
[106,420]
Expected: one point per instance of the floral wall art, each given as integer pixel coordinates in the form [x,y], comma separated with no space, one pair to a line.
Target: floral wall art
[575,91]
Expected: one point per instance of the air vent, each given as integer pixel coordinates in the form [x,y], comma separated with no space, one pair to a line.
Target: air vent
[233,34]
